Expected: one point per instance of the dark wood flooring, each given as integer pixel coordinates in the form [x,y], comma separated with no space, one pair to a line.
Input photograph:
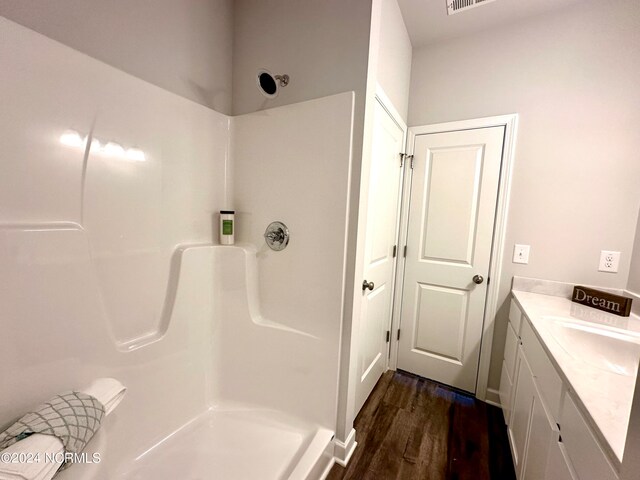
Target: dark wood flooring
[413,428]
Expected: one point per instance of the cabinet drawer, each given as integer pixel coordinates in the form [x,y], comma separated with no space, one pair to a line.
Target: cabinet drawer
[515,316]
[511,351]
[547,379]
[506,387]
[586,456]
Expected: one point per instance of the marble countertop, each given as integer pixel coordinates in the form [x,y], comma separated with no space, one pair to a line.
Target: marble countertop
[604,396]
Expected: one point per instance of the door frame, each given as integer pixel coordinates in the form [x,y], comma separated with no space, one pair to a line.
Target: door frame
[510,123]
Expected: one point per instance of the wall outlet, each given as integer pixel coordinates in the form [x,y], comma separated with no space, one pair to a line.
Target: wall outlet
[521,253]
[609,261]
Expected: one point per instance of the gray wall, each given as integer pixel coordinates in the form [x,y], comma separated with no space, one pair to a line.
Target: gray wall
[573,77]
[634,273]
[322,46]
[182,46]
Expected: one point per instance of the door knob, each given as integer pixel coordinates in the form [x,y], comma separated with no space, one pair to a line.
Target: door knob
[368,285]
[478,279]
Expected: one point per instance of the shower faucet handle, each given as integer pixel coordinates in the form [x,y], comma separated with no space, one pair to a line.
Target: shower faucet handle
[277,236]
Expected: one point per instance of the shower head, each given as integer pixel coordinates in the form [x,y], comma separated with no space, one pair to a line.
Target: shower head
[269,85]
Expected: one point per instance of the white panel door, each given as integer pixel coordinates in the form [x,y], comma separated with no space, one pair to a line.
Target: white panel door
[381,234]
[452,208]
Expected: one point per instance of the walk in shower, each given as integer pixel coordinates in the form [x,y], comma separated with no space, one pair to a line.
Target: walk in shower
[109,191]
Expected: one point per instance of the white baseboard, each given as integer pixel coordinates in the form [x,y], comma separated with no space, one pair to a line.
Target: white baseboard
[344,450]
[493,397]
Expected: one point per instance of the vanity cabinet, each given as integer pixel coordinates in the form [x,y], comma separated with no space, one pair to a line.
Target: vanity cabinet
[548,436]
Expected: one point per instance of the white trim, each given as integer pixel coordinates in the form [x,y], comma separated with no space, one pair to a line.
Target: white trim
[344,450]
[510,122]
[493,397]
[497,249]
[387,104]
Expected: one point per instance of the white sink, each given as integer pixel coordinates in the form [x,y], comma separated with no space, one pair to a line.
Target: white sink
[606,348]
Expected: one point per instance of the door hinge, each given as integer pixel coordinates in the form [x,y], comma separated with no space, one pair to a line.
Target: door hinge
[402,155]
[398,336]
[409,157]
[395,251]
[388,335]
[488,280]
[404,254]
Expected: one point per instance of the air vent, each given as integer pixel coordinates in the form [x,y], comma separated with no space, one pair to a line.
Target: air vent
[457,6]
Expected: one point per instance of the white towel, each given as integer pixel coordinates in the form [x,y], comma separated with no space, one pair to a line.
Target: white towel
[108,391]
[44,451]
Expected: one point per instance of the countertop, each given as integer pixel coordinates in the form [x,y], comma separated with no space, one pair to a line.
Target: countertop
[604,396]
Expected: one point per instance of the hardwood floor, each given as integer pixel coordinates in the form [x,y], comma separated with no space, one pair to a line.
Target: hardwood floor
[413,428]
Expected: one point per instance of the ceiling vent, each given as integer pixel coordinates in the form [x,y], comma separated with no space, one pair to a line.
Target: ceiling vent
[457,6]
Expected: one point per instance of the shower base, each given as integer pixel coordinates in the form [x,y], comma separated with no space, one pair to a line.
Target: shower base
[236,443]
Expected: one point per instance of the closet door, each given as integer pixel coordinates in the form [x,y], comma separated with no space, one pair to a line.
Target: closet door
[454,191]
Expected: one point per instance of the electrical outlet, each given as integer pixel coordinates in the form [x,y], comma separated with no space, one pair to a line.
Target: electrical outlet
[609,261]
[521,253]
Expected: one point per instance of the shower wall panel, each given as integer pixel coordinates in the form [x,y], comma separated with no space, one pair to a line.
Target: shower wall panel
[292,164]
[102,273]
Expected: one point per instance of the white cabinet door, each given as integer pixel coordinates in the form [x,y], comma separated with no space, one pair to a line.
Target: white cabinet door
[558,465]
[587,457]
[382,227]
[506,387]
[452,208]
[522,410]
[543,432]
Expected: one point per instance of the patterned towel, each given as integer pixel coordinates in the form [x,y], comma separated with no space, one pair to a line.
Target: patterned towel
[72,417]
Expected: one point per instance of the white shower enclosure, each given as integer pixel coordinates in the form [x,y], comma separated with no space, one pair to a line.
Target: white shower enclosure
[109,190]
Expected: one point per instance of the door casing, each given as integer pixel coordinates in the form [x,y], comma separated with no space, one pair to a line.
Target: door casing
[510,122]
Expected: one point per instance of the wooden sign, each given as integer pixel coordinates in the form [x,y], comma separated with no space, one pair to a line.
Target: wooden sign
[605,301]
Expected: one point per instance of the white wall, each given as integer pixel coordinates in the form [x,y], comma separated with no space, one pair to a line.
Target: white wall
[633,284]
[572,76]
[183,46]
[393,72]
